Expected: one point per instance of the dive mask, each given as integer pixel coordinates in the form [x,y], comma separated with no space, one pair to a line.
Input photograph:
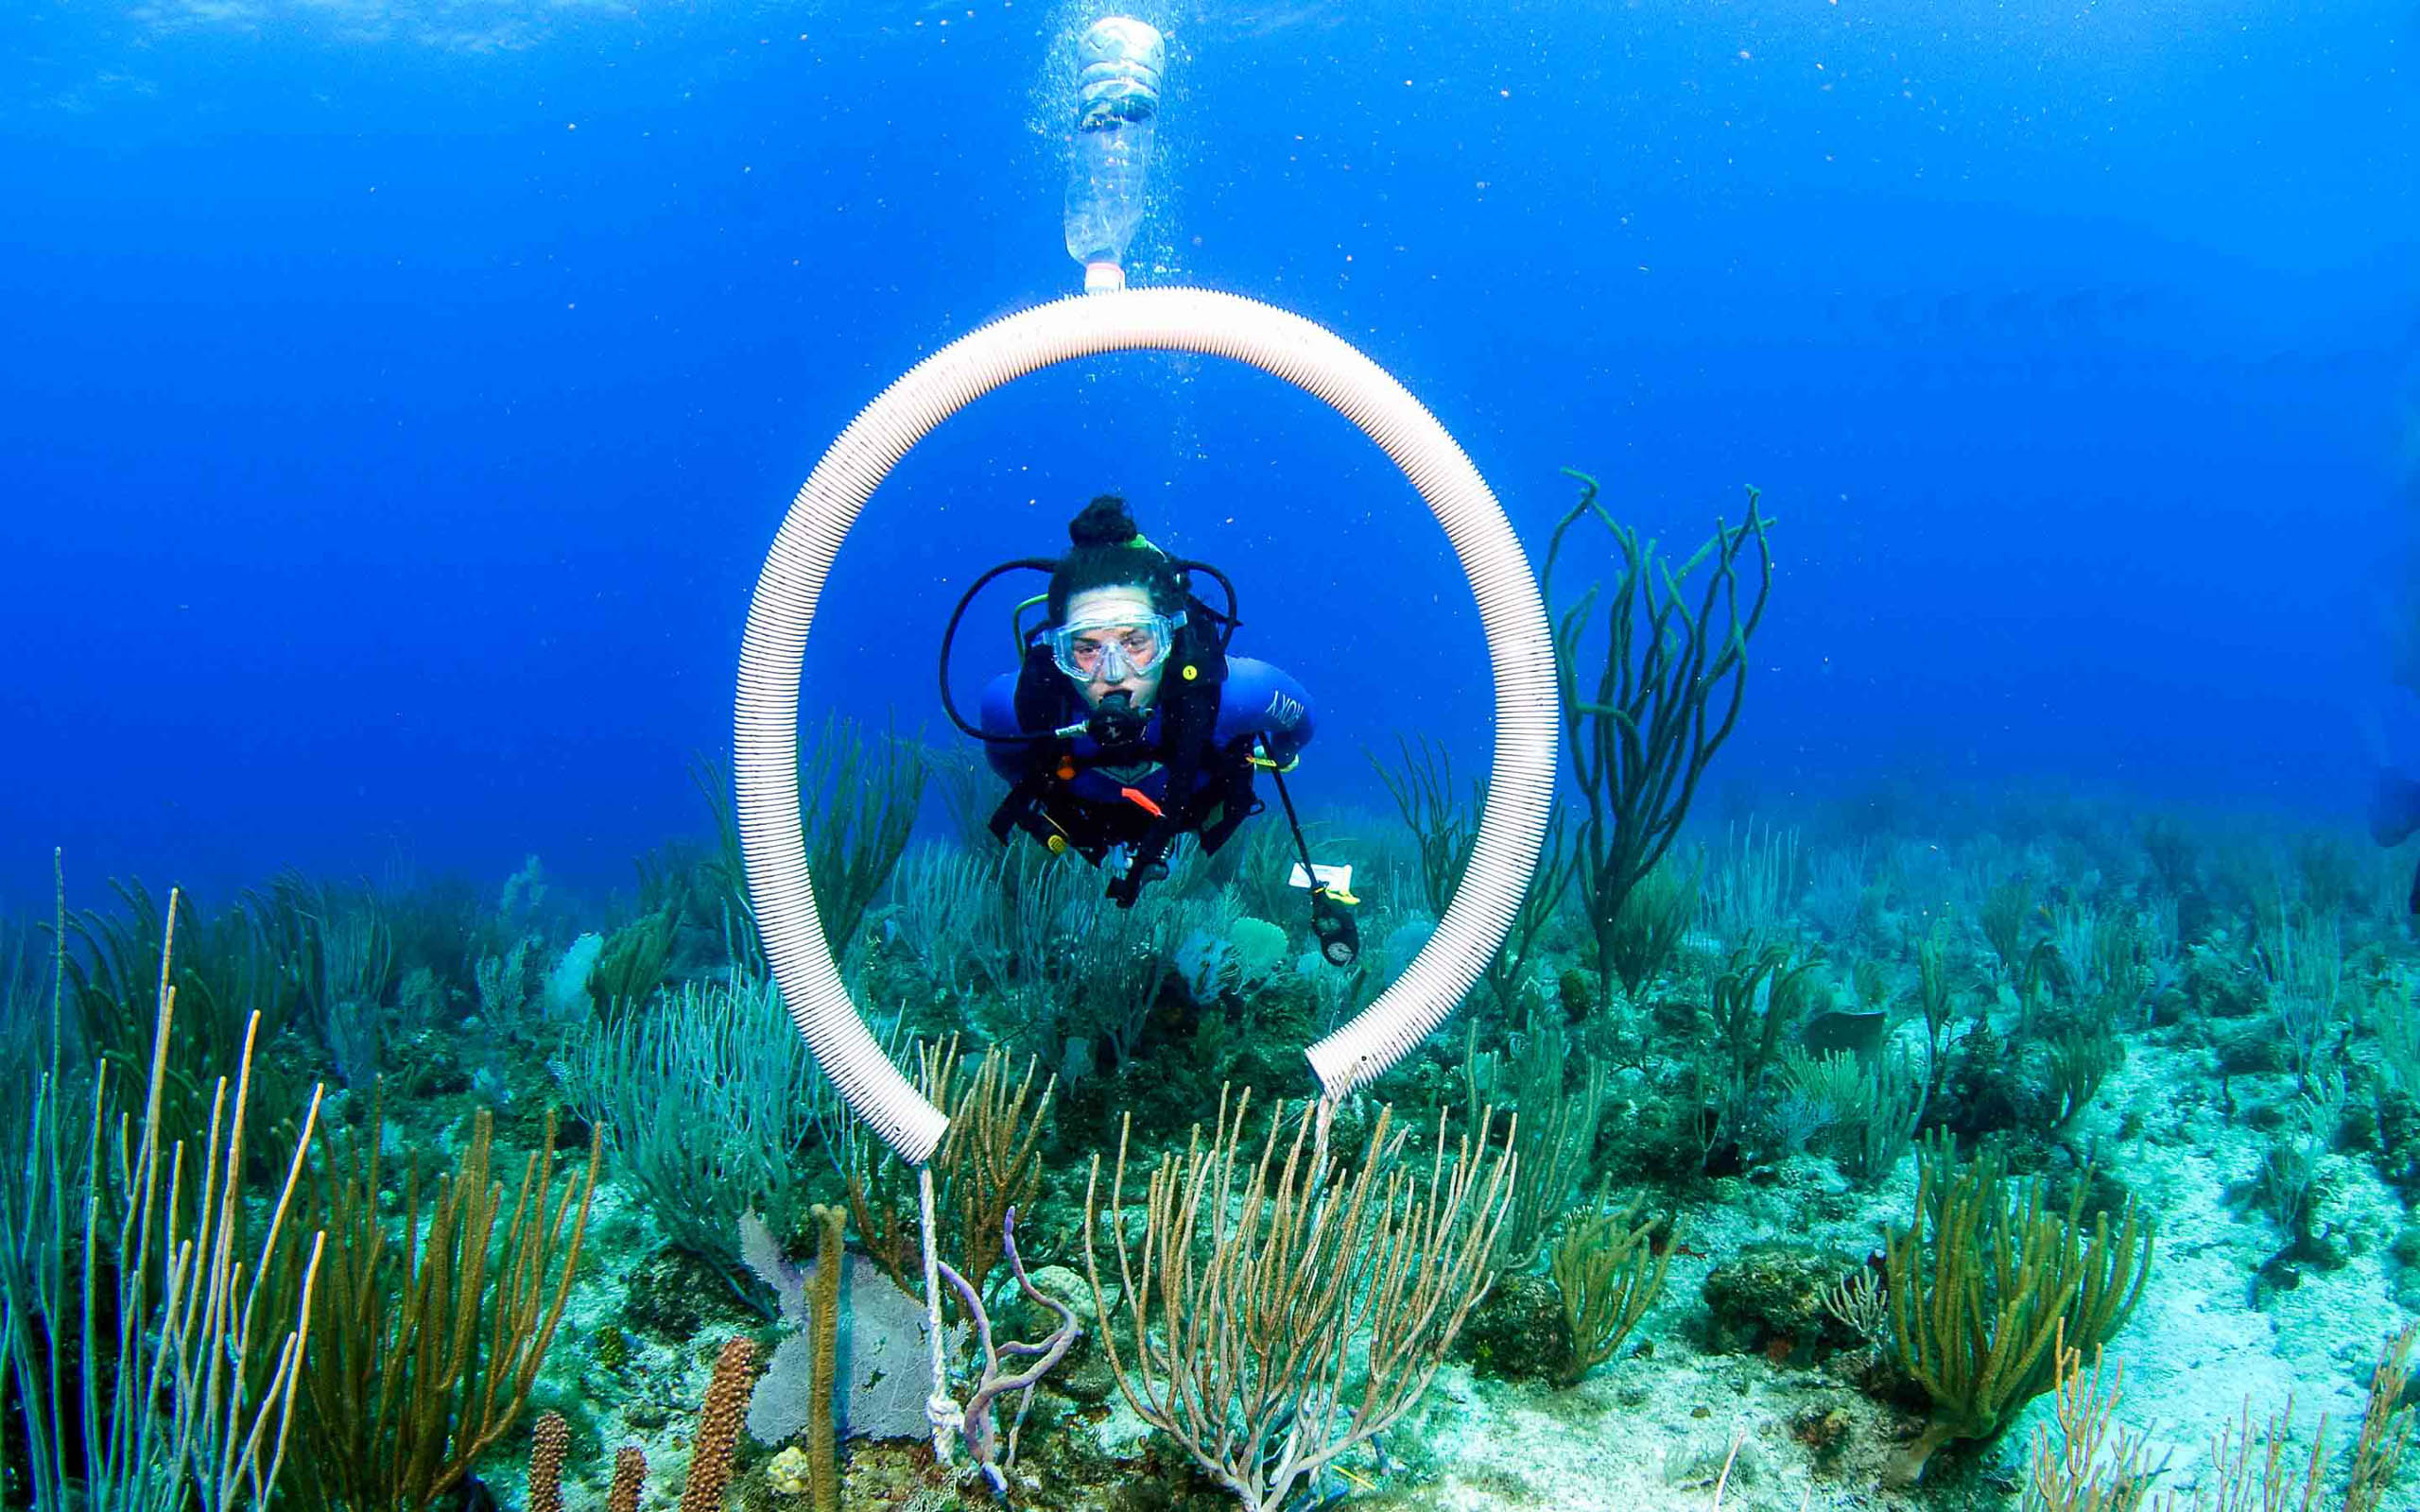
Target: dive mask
[1111,650]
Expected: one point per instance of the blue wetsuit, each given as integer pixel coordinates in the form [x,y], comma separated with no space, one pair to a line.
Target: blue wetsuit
[1094,804]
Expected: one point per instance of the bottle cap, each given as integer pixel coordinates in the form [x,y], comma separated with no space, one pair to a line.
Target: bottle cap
[1103,277]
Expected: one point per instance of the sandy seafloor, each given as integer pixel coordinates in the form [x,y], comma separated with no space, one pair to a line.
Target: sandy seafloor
[1650,1434]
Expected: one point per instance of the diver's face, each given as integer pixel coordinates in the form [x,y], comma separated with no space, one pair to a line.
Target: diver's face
[1119,605]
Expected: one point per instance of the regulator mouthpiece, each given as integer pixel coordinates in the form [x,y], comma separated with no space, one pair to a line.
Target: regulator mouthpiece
[1117,724]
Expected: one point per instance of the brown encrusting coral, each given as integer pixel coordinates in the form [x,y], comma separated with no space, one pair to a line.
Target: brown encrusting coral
[719,1424]
[720,1417]
[549,1439]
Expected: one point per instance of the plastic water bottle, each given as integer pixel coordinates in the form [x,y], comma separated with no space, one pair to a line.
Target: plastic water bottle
[1117,106]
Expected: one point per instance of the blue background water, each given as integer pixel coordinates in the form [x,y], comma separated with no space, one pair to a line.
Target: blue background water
[397,402]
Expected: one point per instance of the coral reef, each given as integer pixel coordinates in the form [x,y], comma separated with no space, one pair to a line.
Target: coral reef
[1822,1157]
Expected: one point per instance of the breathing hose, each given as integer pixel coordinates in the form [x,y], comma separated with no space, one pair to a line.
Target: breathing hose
[1520,650]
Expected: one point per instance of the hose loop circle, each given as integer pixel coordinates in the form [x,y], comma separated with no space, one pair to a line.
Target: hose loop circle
[1520,650]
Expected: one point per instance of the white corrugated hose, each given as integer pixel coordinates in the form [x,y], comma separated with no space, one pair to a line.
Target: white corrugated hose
[1520,648]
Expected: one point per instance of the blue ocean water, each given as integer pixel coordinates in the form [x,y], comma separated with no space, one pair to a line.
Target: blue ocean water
[399,398]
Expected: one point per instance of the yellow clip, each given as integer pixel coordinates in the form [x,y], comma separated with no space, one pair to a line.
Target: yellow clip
[1264,763]
[1345,897]
[1056,845]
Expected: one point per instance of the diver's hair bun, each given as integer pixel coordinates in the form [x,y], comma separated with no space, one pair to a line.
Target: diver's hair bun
[1108,549]
[1103,523]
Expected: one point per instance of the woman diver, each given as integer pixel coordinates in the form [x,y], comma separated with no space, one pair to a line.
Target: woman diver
[1126,724]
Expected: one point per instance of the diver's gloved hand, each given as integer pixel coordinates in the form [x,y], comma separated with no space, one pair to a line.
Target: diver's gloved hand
[1123,890]
[1149,864]
[1339,935]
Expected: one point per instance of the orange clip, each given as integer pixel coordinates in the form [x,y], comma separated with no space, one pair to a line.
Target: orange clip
[1142,800]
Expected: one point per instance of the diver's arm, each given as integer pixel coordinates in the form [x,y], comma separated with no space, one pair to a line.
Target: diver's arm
[1260,699]
[1008,757]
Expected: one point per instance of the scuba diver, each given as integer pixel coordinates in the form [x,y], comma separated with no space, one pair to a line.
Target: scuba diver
[2394,813]
[1128,725]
